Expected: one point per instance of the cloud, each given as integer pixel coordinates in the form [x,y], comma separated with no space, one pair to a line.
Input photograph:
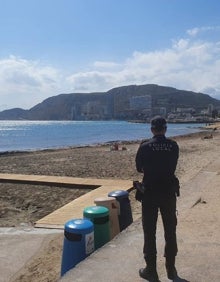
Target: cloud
[91,81]
[198,30]
[106,65]
[193,32]
[24,83]
[189,64]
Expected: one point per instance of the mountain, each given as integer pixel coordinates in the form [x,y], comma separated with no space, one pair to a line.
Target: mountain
[14,114]
[126,102]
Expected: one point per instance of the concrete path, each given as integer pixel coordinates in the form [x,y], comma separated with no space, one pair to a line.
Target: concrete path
[18,246]
[198,259]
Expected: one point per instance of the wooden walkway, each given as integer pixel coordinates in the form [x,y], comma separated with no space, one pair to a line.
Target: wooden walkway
[74,209]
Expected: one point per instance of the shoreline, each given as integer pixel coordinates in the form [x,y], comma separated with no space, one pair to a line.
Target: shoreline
[204,130]
[62,140]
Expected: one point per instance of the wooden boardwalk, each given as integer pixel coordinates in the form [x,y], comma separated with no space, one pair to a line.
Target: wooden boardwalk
[74,209]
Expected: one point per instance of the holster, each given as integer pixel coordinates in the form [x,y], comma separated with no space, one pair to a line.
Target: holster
[139,186]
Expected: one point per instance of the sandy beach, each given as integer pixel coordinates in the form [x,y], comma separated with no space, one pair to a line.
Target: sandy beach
[24,204]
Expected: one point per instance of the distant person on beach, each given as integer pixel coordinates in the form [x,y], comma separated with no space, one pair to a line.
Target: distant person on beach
[157,160]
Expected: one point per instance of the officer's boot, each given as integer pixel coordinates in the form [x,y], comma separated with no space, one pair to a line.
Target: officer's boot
[150,271]
[171,269]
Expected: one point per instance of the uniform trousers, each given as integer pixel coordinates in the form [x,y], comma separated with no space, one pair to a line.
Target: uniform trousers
[151,205]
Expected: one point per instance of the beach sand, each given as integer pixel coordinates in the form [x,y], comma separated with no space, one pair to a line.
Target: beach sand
[24,204]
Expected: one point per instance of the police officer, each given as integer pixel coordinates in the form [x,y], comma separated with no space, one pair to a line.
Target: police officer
[157,160]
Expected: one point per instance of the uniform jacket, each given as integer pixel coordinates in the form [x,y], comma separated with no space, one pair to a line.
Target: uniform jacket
[157,160]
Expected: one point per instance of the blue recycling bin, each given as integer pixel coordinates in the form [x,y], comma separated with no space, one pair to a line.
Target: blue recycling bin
[125,214]
[78,242]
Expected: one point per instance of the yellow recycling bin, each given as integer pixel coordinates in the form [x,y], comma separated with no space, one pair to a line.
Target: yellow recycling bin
[112,204]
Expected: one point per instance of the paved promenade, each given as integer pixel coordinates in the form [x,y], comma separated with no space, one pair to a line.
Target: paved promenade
[198,259]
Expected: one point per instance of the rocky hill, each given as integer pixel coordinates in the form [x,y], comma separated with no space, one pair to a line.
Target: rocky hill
[126,102]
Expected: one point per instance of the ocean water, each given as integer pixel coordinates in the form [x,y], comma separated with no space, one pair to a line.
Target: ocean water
[37,135]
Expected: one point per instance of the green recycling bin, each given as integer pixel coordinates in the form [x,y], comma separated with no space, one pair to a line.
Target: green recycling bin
[99,215]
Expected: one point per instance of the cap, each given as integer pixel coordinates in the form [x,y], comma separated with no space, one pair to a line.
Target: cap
[158,123]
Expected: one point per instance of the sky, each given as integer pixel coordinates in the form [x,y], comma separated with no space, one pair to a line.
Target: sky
[49,47]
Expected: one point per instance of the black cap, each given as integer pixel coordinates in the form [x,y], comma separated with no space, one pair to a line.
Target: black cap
[158,123]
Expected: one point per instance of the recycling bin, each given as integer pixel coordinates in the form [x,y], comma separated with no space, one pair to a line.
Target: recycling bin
[99,215]
[125,213]
[112,204]
[78,242]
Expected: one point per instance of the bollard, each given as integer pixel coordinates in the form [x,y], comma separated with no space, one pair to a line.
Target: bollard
[112,204]
[125,213]
[99,215]
[78,242]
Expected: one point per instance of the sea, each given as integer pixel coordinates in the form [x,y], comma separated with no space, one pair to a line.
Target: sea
[40,135]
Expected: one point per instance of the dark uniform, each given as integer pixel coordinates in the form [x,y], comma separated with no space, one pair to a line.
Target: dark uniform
[157,160]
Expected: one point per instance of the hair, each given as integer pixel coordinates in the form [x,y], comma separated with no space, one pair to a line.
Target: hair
[158,123]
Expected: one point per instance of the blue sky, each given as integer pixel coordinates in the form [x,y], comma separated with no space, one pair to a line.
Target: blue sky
[48,47]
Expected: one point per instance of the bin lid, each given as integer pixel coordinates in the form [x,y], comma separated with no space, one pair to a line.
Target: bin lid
[118,194]
[80,225]
[104,200]
[95,211]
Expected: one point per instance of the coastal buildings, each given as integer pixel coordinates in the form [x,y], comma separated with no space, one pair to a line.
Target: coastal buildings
[133,102]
